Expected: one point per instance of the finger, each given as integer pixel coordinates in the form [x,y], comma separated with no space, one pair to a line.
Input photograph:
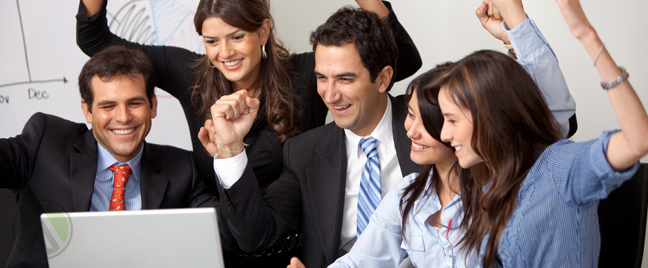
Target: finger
[253,105]
[481,13]
[496,13]
[203,136]
[209,125]
[490,9]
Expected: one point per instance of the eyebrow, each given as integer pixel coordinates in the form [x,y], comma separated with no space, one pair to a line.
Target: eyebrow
[228,35]
[106,102]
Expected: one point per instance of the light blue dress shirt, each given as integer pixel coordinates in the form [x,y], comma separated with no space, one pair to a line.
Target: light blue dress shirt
[555,222]
[103,185]
[382,245]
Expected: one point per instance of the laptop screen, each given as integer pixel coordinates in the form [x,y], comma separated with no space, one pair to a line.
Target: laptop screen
[146,238]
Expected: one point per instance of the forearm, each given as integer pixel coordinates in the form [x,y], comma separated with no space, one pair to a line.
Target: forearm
[536,56]
[258,221]
[409,60]
[92,6]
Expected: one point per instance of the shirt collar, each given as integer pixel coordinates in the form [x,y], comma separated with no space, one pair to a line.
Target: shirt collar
[105,160]
[383,133]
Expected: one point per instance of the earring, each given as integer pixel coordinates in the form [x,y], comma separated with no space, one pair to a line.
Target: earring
[210,64]
[263,52]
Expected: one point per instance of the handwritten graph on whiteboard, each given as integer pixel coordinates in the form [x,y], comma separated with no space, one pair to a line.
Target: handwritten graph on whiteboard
[40,61]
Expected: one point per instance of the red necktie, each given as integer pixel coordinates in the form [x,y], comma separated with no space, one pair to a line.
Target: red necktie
[119,186]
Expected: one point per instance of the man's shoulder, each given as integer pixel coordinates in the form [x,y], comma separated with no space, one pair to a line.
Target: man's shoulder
[159,150]
[42,122]
[314,136]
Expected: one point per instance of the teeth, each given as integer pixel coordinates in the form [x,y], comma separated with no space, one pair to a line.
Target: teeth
[457,148]
[419,146]
[232,63]
[341,107]
[124,131]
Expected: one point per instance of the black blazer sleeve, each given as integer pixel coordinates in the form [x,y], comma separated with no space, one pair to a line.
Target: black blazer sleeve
[409,60]
[18,154]
[259,220]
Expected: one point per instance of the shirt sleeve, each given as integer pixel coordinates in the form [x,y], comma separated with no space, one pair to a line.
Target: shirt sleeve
[538,59]
[229,170]
[581,172]
[380,243]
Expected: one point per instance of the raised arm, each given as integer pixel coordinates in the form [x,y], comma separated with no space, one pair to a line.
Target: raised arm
[409,60]
[534,54]
[629,145]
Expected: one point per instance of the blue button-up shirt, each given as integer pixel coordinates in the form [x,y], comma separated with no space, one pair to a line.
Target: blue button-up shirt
[103,185]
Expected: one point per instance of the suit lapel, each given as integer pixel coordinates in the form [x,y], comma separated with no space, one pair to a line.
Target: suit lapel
[152,184]
[326,187]
[401,141]
[83,170]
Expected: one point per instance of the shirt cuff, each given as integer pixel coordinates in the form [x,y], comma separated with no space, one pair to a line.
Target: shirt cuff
[525,38]
[229,170]
[598,158]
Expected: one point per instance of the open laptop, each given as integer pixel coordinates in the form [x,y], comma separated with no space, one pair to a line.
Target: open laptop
[145,238]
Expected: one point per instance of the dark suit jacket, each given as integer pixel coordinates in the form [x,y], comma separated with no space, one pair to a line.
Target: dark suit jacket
[309,191]
[52,167]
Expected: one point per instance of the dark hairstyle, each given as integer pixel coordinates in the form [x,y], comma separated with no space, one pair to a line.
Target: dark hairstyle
[274,79]
[433,122]
[115,62]
[512,125]
[370,35]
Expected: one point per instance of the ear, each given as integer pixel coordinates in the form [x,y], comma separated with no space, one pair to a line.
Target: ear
[154,106]
[86,112]
[264,31]
[384,78]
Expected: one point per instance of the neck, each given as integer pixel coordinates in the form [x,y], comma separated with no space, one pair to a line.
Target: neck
[449,182]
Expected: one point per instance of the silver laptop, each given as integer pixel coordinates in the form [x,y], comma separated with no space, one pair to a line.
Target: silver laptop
[146,238]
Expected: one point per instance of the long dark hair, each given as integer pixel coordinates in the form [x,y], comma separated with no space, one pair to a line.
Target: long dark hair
[512,125]
[433,122]
[274,79]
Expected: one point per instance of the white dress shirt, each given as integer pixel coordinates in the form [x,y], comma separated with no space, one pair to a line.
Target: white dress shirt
[390,172]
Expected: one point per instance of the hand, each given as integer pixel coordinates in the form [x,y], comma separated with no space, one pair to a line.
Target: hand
[375,6]
[511,11]
[575,18]
[491,24]
[207,136]
[295,263]
[232,117]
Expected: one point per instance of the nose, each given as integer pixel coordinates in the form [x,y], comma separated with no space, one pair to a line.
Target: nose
[446,133]
[330,92]
[226,50]
[412,128]
[122,114]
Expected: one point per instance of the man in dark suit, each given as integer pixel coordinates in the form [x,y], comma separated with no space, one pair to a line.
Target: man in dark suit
[60,166]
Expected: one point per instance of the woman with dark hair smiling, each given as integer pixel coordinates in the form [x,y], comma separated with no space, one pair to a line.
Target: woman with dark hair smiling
[243,57]
[539,204]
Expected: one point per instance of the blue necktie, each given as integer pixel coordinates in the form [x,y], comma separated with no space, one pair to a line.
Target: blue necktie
[369,195]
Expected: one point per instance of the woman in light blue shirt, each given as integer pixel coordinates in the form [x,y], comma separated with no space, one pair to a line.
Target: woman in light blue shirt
[539,204]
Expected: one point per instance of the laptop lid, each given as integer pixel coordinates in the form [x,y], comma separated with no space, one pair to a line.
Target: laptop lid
[146,238]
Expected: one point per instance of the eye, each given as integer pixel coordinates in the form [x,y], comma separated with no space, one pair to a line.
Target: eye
[321,79]
[238,37]
[211,42]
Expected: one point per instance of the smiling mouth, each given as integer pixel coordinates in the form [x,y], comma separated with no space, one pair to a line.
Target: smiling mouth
[232,63]
[341,107]
[458,147]
[419,146]
[123,131]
